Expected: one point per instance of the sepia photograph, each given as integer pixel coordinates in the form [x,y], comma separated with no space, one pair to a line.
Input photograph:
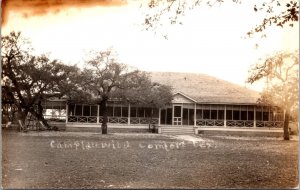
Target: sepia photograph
[149,94]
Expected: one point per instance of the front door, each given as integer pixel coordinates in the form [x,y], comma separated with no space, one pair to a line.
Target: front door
[177,115]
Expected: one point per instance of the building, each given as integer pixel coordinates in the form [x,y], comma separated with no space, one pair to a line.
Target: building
[199,101]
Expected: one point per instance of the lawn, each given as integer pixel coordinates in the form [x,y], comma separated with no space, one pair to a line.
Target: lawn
[90,160]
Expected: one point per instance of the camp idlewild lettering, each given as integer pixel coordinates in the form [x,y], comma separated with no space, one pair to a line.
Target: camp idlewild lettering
[87,145]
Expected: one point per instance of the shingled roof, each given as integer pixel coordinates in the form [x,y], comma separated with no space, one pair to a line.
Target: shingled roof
[206,89]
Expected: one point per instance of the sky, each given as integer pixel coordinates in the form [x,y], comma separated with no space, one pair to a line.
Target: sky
[210,41]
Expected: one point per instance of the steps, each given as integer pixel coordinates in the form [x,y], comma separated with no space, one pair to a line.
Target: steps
[177,130]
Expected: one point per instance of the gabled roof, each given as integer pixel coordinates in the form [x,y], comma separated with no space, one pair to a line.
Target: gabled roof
[206,89]
[182,94]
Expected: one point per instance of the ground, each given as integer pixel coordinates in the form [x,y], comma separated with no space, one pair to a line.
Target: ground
[91,160]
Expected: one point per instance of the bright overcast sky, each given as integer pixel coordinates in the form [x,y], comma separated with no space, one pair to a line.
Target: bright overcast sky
[210,40]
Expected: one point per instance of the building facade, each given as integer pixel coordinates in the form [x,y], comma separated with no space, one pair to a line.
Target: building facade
[198,101]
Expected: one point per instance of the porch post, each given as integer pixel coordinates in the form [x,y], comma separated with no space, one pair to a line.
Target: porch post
[195,119]
[225,117]
[172,114]
[128,114]
[159,115]
[98,108]
[254,123]
[67,112]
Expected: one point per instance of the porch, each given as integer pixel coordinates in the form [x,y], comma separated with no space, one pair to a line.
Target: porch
[182,113]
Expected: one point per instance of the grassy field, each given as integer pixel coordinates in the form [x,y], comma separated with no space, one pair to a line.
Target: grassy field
[87,160]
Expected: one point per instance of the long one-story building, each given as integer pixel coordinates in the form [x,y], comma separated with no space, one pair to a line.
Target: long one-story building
[199,101]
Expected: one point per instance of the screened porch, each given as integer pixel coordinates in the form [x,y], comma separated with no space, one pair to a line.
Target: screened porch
[184,114]
[117,114]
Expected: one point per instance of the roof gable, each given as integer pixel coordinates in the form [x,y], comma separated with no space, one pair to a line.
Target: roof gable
[181,98]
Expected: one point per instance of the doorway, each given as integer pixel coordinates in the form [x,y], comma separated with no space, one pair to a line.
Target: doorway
[177,117]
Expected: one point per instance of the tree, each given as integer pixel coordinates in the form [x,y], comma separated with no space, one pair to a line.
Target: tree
[106,78]
[281,72]
[279,13]
[155,95]
[31,79]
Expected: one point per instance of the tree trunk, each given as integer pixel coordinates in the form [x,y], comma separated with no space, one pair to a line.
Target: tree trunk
[41,118]
[22,114]
[286,134]
[40,115]
[105,119]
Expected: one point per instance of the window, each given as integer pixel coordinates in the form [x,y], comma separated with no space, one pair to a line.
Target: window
[71,110]
[213,114]
[229,114]
[243,115]
[220,114]
[265,116]
[133,112]
[78,110]
[94,110]
[236,115]
[185,116]
[148,112]
[117,111]
[110,111]
[101,111]
[258,115]
[191,117]
[251,115]
[124,111]
[141,112]
[169,116]
[86,110]
[206,114]
[155,112]
[199,114]
[271,116]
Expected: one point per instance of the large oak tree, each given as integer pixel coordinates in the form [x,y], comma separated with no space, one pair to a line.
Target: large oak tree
[281,73]
[31,79]
[107,79]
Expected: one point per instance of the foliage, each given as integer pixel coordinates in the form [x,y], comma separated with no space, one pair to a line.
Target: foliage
[147,93]
[287,14]
[281,72]
[29,79]
[279,13]
[107,79]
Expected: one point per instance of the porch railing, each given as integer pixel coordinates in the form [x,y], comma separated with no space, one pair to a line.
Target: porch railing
[142,120]
[82,119]
[120,120]
[270,124]
[115,120]
[209,122]
[239,123]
